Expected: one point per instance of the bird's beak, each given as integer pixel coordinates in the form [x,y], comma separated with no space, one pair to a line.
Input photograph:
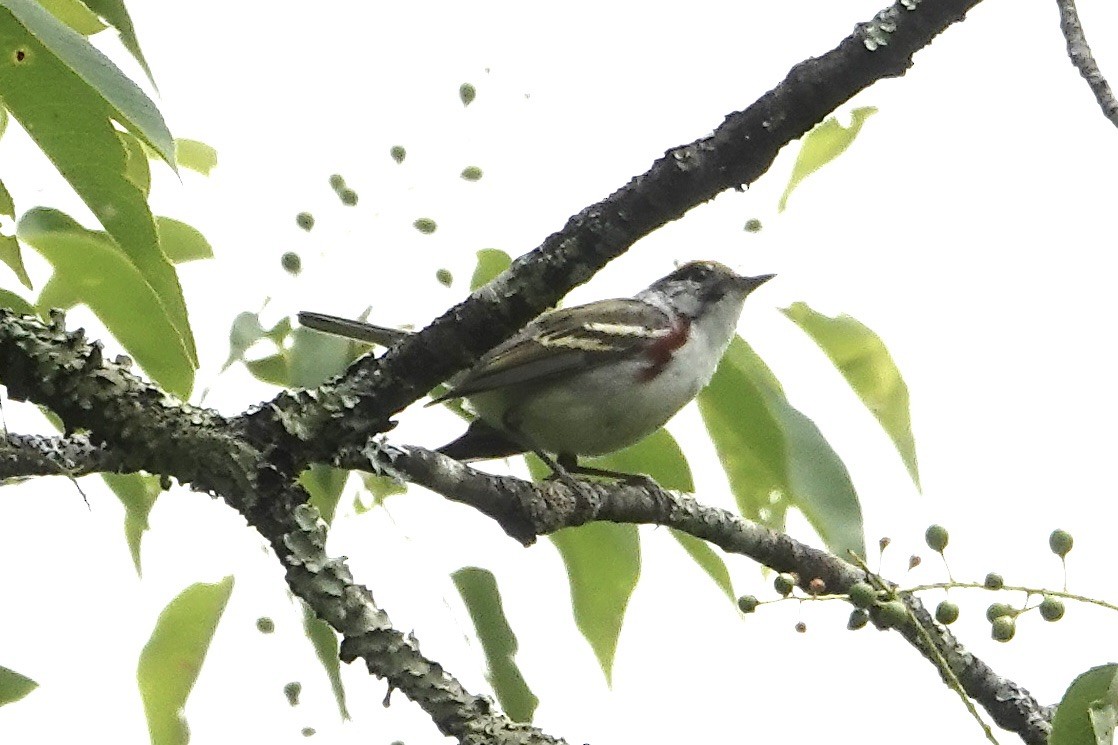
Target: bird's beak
[749,284]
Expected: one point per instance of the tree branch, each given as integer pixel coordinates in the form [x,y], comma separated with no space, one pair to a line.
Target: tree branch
[526,510]
[42,455]
[1080,53]
[346,412]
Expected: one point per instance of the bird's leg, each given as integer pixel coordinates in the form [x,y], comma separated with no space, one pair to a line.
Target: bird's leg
[570,463]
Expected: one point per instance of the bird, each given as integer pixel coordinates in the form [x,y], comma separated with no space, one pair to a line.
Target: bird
[590,379]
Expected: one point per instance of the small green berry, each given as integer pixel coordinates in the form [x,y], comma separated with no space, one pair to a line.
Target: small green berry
[292,691]
[999,610]
[425,225]
[858,619]
[1051,609]
[993,581]
[304,220]
[307,731]
[947,612]
[337,183]
[748,603]
[862,595]
[801,628]
[265,625]
[348,197]
[467,93]
[784,583]
[753,225]
[291,262]
[936,538]
[444,277]
[471,173]
[894,614]
[1003,628]
[398,153]
[1061,542]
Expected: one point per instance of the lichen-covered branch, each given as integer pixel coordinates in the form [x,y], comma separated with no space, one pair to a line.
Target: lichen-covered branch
[45,455]
[1079,51]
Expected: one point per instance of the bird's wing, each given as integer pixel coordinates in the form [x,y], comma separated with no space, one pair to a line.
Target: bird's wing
[563,340]
[358,330]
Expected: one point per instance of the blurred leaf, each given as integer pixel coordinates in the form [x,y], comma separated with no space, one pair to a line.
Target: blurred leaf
[245,332]
[9,246]
[15,302]
[479,592]
[381,488]
[774,456]
[490,263]
[171,660]
[14,686]
[1087,712]
[315,358]
[137,492]
[89,268]
[195,155]
[324,484]
[3,121]
[74,14]
[67,95]
[603,563]
[181,242]
[136,167]
[272,369]
[822,145]
[657,455]
[115,13]
[325,643]
[708,560]
[865,362]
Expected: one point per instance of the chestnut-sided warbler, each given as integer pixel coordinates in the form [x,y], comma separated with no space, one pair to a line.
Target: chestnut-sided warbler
[594,378]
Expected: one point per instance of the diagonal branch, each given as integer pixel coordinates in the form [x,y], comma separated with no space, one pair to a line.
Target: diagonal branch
[1080,53]
[526,510]
[348,411]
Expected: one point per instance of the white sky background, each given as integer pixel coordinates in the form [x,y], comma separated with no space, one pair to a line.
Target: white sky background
[970,225]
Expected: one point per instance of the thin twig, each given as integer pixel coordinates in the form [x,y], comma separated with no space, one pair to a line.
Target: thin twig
[1080,53]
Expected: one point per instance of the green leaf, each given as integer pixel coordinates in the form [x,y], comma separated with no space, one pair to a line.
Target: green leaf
[66,94]
[314,358]
[325,643]
[115,13]
[709,561]
[774,456]
[3,121]
[490,263]
[14,686]
[129,105]
[381,488]
[324,484]
[171,660]
[823,144]
[181,242]
[657,455]
[195,155]
[272,369]
[865,362]
[245,332]
[1088,711]
[137,492]
[9,246]
[603,563]
[136,163]
[479,592]
[15,302]
[89,268]
[74,14]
